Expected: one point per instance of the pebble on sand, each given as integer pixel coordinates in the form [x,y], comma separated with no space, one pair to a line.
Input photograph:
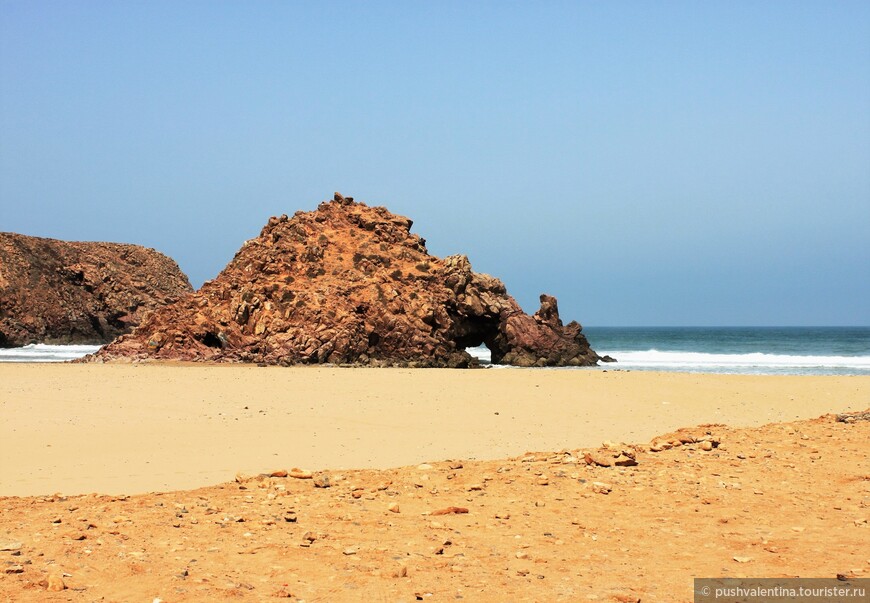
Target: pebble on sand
[601,488]
[55,583]
[450,511]
[593,458]
[625,460]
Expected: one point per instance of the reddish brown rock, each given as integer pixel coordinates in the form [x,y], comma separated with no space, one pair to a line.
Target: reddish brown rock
[69,292]
[350,284]
[450,511]
[55,583]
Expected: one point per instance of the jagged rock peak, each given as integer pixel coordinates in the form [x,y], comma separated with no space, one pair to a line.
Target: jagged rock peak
[350,284]
[66,292]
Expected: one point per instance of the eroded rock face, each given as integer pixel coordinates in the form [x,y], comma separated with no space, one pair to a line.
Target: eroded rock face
[350,284]
[69,292]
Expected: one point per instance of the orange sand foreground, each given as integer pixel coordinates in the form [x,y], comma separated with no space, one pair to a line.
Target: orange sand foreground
[750,499]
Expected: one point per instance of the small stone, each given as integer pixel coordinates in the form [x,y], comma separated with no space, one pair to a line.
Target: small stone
[625,598]
[601,488]
[593,458]
[522,555]
[706,445]
[502,515]
[623,460]
[290,517]
[475,487]
[742,559]
[350,550]
[300,473]
[55,583]
[393,508]
[401,572]
[14,569]
[542,481]
[450,511]
[10,546]
[309,537]
[424,467]
[455,465]
[322,481]
[279,473]
[357,493]
[798,529]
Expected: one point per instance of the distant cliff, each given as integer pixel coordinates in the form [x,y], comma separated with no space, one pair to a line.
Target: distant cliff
[350,284]
[69,292]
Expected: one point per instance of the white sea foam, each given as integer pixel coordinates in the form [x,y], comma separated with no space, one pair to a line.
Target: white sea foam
[482,353]
[739,363]
[753,363]
[40,352]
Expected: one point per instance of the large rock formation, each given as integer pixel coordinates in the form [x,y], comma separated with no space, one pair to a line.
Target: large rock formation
[63,292]
[349,283]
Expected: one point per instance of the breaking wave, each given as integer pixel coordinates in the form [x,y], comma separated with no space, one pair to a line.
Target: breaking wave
[41,352]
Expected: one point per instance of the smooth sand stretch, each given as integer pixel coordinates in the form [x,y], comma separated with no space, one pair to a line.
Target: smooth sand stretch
[148,427]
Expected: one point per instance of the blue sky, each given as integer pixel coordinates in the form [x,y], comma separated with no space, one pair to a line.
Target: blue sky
[649,163]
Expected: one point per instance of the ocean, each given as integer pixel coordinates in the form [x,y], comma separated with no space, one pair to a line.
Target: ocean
[41,352]
[736,350]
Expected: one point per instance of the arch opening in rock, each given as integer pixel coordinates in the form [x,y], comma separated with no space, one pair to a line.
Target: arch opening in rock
[478,335]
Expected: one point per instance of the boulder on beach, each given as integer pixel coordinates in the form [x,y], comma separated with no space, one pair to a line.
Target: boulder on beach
[350,284]
[64,292]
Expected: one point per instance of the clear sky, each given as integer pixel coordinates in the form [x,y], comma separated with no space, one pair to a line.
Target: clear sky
[649,163]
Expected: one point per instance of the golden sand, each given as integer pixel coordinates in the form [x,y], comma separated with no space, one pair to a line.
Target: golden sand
[152,427]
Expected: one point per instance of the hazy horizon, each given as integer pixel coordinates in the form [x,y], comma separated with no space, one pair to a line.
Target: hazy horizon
[667,164]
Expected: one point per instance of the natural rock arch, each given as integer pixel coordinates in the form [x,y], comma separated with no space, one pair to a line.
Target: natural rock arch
[350,284]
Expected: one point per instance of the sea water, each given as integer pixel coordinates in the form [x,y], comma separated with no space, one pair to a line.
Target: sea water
[741,350]
[40,352]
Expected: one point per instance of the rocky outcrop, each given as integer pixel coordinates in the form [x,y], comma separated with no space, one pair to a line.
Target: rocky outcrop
[69,292]
[350,284]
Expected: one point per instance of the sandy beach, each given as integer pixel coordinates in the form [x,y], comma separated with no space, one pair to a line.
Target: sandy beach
[151,427]
[584,487]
